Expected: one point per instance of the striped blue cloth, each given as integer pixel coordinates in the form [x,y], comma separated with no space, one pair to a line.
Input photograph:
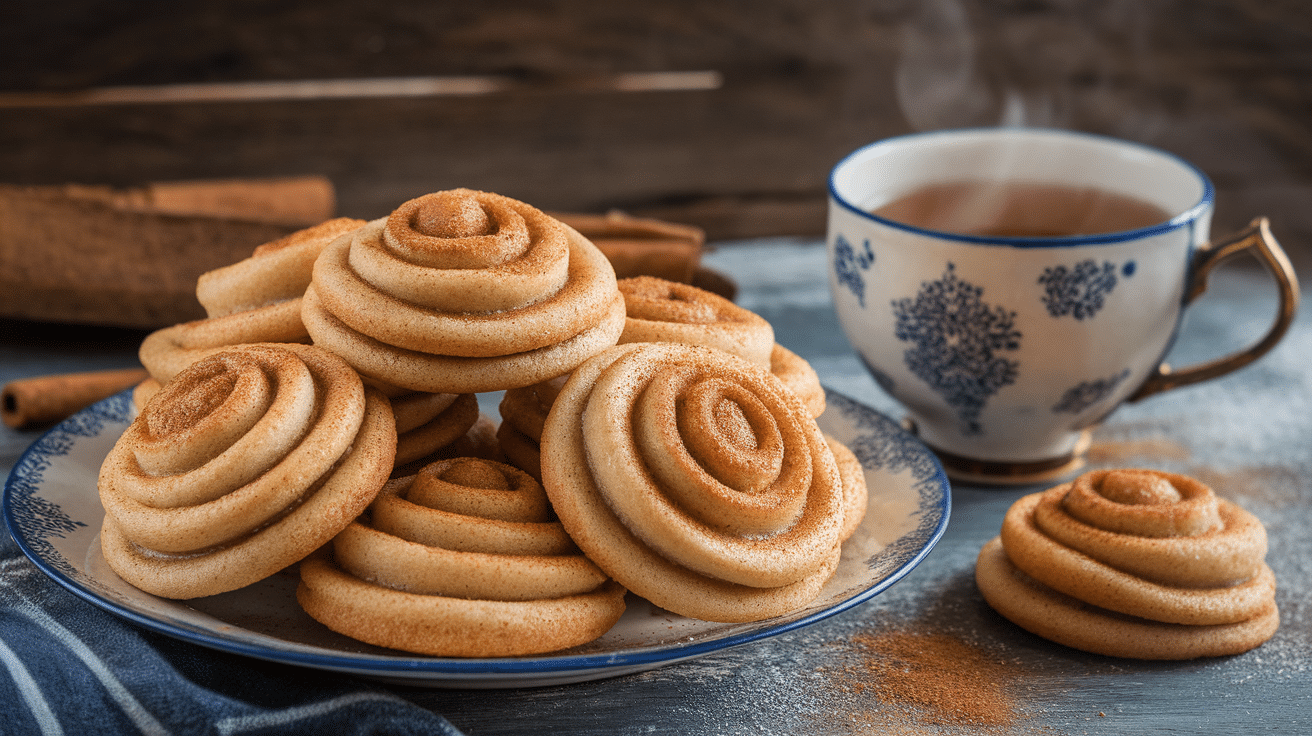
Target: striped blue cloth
[67,667]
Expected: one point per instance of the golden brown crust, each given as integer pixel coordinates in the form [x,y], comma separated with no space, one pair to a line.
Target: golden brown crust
[668,311]
[856,496]
[798,375]
[242,465]
[753,537]
[254,300]
[454,627]
[450,560]
[1158,550]
[1058,617]
[463,292]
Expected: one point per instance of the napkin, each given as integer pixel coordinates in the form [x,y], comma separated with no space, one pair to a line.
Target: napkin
[68,667]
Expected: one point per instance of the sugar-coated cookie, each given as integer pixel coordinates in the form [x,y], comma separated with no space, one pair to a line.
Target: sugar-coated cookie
[1133,563]
[667,311]
[463,292]
[257,299]
[463,559]
[696,480]
[242,464]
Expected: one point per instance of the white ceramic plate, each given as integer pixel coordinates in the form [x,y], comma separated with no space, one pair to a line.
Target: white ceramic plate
[52,509]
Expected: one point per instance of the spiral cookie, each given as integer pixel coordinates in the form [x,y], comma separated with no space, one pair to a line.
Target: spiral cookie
[798,375]
[166,352]
[241,465]
[425,423]
[463,292]
[254,300]
[668,311]
[463,559]
[856,496]
[523,413]
[276,272]
[695,480]
[1133,563]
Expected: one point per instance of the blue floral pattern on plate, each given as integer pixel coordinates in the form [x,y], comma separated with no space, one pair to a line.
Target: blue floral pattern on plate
[35,517]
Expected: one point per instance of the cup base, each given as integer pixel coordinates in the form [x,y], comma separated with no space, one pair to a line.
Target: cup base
[1009,473]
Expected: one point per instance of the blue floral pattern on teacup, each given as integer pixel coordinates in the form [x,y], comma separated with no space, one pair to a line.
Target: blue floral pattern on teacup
[1080,290]
[1088,393]
[848,265]
[957,343]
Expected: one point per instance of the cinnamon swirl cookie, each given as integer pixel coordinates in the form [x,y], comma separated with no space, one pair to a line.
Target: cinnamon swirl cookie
[425,423]
[523,413]
[254,300]
[856,495]
[1133,563]
[463,292]
[478,441]
[241,465]
[463,559]
[798,375]
[276,272]
[696,480]
[668,311]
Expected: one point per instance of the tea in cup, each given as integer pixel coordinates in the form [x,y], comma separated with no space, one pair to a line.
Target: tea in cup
[1011,287]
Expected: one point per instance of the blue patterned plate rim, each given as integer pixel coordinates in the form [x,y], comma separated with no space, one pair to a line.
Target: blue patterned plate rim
[891,456]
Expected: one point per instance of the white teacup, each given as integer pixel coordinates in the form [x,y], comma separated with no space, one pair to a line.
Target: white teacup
[1006,348]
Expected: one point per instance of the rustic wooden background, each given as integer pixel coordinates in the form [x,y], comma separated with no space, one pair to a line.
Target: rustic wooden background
[772,94]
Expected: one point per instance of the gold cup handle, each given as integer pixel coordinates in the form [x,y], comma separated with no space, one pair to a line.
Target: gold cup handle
[1258,237]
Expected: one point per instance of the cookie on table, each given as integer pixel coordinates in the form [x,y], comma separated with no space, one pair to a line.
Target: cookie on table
[1133,563]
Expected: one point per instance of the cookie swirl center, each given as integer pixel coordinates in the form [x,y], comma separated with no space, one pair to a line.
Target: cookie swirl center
[455,230]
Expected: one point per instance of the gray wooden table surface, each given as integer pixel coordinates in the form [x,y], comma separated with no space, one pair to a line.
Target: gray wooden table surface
[1249,435]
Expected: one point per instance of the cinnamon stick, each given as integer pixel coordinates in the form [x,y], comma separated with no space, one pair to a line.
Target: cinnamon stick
[41,400]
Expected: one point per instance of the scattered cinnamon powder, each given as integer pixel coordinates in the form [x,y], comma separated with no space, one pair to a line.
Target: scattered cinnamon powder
[1270,485]
[930,680]
[1105,452]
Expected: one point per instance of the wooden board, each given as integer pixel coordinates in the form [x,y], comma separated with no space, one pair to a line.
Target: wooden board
[1221,82]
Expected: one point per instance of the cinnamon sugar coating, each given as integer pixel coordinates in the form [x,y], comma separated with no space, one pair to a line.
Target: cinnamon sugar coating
[696,480]
[1133,563]
[241,465]
[463,292]
[462,559]
[797,374]
[666,311]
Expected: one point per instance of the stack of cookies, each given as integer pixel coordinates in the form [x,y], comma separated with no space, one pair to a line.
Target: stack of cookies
[654,439]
